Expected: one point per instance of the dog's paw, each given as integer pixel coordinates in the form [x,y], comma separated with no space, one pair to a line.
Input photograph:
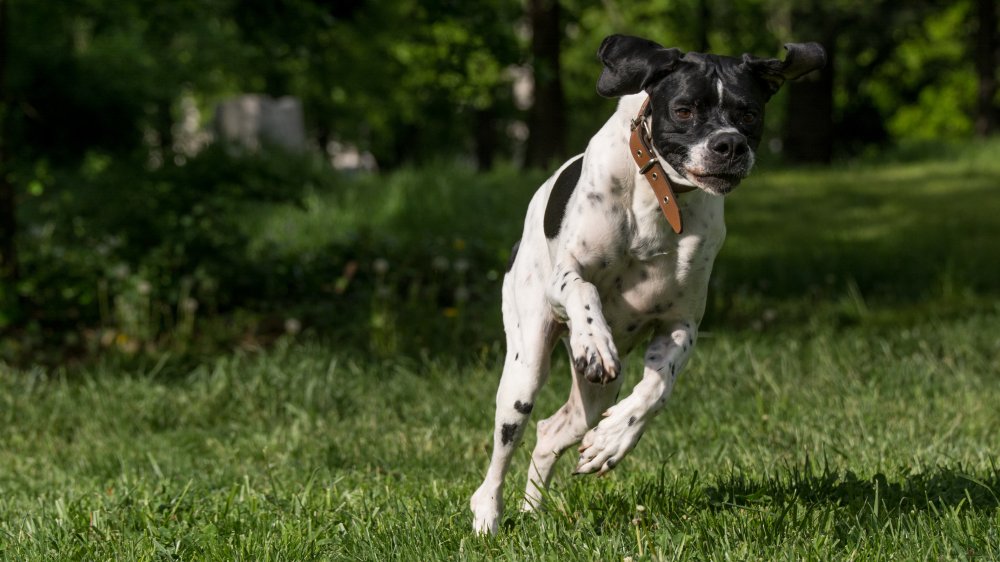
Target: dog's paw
[487,507]
[595,356]
[607,444]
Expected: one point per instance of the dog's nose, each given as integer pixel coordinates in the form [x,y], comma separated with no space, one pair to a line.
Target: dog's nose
[729,144]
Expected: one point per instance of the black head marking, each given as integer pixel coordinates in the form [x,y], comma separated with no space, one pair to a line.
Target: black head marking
[555,209]
[632,64]
[802,58]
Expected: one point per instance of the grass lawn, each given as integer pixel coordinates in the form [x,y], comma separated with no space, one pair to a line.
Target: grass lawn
[844,404]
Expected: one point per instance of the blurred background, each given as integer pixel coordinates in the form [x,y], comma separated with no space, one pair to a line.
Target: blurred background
[197,176]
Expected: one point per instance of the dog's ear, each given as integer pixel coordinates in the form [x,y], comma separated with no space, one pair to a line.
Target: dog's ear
[802,58]
[632,64]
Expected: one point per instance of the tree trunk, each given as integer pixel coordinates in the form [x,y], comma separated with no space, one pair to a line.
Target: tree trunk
[808,130]
[485,137]
[704,17]
[547,117]
[986,67]
[8,217]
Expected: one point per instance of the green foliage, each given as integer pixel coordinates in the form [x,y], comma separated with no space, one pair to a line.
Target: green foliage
[414,258]
[106,75]
[405,79]
[227,248]
[927,88]
[873,239]
[140,251]
[124,235]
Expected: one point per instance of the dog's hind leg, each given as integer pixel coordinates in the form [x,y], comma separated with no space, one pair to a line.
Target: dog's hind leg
[530,336]
[564,429]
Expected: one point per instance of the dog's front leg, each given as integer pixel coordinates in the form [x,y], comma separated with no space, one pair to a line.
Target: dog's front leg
[604,446]
[576,301]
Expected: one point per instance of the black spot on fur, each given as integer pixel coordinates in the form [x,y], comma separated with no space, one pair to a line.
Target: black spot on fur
[517,356]
[631,421]
[523,407]
[555,209]
[590,320]
[513,255]
[507,433]
[586,307]
[563,288]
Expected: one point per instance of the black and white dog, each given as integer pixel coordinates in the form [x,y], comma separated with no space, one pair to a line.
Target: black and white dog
[599,266]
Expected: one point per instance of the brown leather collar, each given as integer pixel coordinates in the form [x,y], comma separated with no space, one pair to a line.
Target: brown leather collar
[652,170]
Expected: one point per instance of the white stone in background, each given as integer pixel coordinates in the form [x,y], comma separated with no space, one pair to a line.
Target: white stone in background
[188,133]
[251,120]
[348,157]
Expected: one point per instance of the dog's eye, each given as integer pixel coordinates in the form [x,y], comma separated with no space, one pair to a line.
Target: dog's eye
[748,117]
[682,113]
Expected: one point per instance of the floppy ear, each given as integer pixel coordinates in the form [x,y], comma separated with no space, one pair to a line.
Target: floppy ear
[632,64]
[802,58]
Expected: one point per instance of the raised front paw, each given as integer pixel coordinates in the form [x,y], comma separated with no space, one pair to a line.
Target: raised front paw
[595,356]
[607,444]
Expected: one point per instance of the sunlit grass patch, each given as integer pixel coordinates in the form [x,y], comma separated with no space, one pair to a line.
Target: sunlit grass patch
[857,441]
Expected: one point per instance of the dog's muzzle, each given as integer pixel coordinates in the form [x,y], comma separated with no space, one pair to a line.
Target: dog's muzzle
[721,163]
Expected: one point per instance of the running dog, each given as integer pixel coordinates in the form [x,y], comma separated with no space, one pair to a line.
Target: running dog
[617,250]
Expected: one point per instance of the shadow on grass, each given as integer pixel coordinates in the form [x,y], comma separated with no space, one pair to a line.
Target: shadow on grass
[940,487]
[771,506]
[899,241]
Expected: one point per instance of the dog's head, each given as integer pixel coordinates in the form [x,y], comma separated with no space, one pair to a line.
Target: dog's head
[707,110]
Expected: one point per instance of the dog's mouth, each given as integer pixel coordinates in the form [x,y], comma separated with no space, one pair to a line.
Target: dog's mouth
[719,183]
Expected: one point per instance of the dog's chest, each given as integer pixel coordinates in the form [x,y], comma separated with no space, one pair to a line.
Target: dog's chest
[661,275]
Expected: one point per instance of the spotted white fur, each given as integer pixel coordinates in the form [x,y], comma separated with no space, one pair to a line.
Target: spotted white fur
[611,271]
[615,274]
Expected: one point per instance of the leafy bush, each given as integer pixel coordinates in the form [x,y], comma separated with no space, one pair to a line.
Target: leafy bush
[140,251]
